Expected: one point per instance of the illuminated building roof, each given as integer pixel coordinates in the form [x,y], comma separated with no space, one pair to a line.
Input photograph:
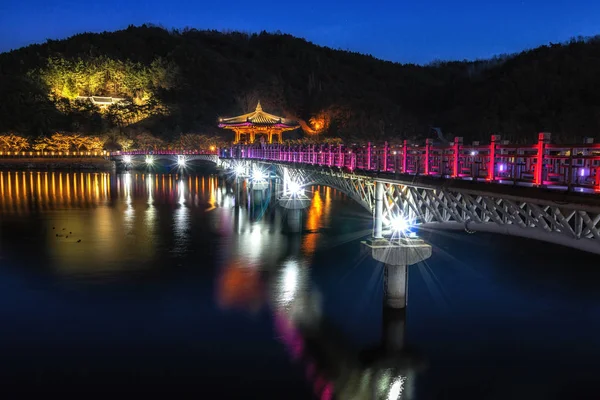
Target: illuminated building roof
[257,118]
[100,100]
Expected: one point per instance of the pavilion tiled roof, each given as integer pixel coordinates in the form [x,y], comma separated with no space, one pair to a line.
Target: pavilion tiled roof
[257,117]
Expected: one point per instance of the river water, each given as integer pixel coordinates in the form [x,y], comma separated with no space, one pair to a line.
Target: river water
[138,283]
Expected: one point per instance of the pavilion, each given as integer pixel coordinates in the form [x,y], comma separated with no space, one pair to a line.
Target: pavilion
[255,123]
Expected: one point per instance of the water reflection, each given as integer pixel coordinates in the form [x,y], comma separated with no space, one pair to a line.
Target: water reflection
[333,366]
[181,220]
[133,223]
[121,219]
[26,192]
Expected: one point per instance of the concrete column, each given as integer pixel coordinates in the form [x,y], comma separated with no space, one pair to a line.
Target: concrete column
[378,217]
[286,179]
[396,256]
[396,279]
[294,204]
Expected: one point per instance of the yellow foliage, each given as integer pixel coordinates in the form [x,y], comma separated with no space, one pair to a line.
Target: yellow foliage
[13,143]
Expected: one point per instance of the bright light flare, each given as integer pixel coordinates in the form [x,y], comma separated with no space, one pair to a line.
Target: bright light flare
[401,225]
[240,170]
[474,153]
[127,159]
[258,175]
[181,161]
[149,160]
[294,188]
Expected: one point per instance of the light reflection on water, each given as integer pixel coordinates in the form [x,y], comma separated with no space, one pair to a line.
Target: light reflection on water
[214,249]
[120,218]
[98,227]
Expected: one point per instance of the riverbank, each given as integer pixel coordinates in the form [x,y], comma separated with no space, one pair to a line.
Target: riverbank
[57,163]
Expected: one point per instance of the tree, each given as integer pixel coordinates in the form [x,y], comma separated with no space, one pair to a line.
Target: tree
[146,141]
[77,141]
[180,81]
[95,143]
[125,143]
[42,144]
[13,143]
[59,142]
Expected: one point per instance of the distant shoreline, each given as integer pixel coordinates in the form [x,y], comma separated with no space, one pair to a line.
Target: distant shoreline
[57,163]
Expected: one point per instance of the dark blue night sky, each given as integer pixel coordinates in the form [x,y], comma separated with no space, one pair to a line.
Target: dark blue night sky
[416,31]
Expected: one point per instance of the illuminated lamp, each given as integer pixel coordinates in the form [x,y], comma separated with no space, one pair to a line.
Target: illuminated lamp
[294,188]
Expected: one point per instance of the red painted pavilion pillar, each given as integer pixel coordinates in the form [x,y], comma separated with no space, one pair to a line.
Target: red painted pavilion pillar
[543,140]
[492,161]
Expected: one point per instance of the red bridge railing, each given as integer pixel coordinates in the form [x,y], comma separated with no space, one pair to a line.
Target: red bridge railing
[163,152]
[574,166]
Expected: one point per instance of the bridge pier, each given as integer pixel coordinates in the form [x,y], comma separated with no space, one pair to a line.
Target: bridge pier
[397,255]
[294,209]
[294,201]
[378,217]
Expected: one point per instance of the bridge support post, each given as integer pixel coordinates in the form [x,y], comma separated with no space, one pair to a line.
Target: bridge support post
[294,201]
[396,256]
[396,285]
[378,217]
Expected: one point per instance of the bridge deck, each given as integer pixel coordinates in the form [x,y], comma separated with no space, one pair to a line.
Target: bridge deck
[541,195]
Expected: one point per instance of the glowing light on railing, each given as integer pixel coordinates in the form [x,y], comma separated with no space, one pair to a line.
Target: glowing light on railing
[127,159]
[474,153]
[582,172]
[502,167]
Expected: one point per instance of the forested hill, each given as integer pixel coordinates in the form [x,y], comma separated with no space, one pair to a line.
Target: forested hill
[182,81]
